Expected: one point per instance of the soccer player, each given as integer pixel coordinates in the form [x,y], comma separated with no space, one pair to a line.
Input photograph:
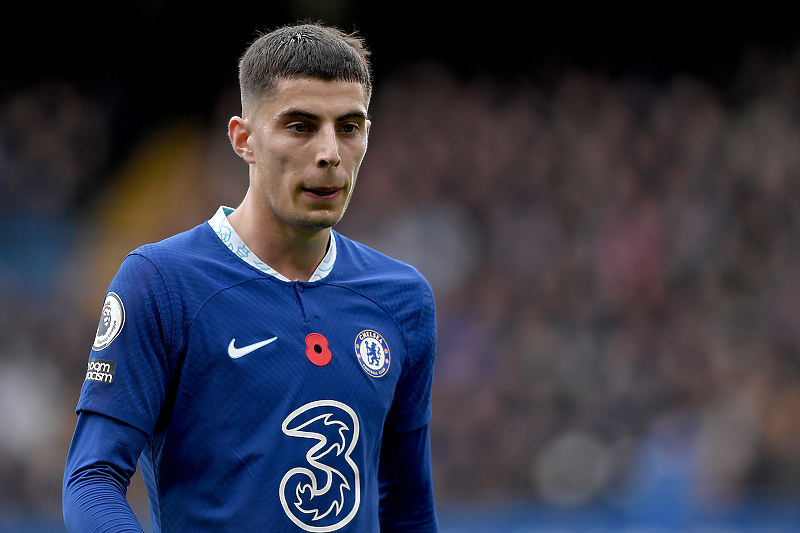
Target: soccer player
[267,373]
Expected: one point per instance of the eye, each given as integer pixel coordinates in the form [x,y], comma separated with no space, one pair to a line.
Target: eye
[350,127]
[298,127]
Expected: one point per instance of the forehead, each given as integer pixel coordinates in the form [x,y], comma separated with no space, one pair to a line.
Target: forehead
[313,95]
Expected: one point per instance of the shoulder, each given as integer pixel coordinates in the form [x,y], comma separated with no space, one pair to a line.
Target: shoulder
[395,286]
[196,242]
[196,251]
[368,269]
[193,265]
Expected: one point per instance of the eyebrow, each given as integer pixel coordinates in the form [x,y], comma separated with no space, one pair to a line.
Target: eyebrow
[312,116]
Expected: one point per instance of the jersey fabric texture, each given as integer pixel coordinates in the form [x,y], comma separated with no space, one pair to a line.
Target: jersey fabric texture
[265,400]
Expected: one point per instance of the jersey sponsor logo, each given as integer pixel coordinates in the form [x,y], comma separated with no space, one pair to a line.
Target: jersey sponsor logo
[100,370]
[373,353]
[236,353]
[111,321]
[323,494]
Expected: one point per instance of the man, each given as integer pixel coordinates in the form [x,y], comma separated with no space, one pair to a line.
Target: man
[268,373]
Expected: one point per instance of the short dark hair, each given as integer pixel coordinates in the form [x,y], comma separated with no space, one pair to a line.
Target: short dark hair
[306,50]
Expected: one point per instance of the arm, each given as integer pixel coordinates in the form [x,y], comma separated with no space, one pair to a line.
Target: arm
[116,414]
[405,478]
[406,483]
[101,460]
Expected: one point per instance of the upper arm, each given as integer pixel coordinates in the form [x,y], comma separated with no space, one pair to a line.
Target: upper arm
[411,407]
[129,368]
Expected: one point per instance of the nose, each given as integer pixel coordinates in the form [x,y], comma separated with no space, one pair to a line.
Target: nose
[328,152]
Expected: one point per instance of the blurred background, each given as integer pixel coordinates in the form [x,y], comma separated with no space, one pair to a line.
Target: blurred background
[606,204]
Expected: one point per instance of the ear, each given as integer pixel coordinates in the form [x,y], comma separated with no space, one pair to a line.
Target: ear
[239,134]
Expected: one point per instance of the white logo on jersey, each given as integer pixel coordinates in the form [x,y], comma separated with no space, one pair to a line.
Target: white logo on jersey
[236,353]
[111,321]
[317,504]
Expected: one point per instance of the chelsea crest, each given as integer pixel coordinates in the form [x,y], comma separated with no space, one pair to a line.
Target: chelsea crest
[373,353]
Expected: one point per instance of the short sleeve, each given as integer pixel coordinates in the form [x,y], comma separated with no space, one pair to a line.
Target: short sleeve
[127,373]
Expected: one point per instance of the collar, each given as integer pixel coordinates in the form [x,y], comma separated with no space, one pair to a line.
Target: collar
[219,223]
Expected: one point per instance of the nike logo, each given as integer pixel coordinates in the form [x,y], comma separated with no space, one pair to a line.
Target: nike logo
[236,353]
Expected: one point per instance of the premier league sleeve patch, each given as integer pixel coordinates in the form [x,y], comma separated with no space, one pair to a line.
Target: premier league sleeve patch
[373,353]
[111,321]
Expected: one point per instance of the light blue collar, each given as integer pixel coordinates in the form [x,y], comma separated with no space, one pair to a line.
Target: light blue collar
[219,223]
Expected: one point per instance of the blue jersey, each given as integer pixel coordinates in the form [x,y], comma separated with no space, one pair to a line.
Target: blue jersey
[266,400]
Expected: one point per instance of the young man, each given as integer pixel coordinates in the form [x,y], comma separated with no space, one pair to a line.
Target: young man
[268,373]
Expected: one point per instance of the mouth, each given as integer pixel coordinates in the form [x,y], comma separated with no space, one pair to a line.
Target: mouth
[322,192]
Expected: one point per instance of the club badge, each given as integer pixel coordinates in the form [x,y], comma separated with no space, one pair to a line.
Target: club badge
[373,353]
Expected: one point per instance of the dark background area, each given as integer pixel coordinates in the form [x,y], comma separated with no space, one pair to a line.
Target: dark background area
[156,59]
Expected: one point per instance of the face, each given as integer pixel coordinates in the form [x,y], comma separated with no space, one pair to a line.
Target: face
[304,145]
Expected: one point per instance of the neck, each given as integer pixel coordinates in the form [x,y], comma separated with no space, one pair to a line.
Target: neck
[293,253]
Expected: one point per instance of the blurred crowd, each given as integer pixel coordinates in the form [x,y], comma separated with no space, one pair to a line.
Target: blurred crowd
[615,262]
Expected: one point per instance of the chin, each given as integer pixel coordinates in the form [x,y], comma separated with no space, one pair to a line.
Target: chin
[319,223]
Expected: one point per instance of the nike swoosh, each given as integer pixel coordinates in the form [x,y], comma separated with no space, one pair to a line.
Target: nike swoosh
[236,353]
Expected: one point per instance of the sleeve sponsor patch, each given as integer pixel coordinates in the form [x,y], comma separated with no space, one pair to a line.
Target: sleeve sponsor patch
[111,321]
[100,370]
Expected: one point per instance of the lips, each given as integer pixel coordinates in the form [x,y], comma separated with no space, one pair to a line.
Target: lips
[322,192]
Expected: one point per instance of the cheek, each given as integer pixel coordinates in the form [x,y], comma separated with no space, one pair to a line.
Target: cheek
[275,158]
[273,169]
[277,153]
[357,166]
[358,153]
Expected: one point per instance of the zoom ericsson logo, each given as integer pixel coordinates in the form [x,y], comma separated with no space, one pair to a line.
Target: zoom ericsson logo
[324,494]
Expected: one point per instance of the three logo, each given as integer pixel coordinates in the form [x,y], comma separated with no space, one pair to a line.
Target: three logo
[324,494]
